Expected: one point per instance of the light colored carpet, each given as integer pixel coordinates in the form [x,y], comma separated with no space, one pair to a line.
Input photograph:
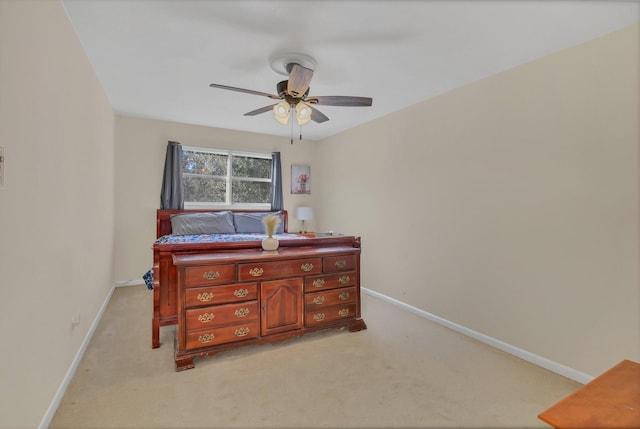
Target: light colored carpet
[404,371]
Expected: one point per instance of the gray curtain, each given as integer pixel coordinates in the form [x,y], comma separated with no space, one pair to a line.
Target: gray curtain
[277,202]
[172,192]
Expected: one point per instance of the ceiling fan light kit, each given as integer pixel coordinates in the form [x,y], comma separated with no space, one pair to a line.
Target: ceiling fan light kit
[293,93]
[282,112]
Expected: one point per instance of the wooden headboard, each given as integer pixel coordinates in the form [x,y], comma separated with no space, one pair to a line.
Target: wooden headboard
[163,218]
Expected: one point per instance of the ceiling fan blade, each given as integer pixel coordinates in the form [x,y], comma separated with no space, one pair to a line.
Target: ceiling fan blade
[340,100]
[318,116]
[299,80]
[246,91]
[260,110]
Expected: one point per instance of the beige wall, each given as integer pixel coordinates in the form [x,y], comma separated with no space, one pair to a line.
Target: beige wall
[509,206]
[141,146]
[56,209]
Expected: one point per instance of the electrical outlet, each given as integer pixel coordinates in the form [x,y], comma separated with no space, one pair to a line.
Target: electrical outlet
[75,320]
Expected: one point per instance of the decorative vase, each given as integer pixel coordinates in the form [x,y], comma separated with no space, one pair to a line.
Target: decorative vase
[270,243]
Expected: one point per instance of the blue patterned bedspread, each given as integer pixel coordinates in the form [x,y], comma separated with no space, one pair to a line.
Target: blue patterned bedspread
[222,238]
[213,238]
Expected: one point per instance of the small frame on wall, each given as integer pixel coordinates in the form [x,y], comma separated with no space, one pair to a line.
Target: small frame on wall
[300,179]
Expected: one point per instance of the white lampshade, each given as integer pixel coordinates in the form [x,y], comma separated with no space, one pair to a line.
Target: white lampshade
[304,213]
[281,112]
[303,113]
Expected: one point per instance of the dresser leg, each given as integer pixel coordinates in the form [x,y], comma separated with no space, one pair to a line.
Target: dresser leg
[183,363]
[155,333]
[358,325]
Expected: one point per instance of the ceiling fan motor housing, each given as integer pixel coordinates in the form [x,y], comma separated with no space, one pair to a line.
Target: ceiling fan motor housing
[282,92]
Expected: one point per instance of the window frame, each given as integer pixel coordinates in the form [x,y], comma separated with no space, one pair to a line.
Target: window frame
[229,178]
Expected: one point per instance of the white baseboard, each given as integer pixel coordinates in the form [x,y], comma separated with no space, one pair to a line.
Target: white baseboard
[129,283]
[53,407]
[543,362]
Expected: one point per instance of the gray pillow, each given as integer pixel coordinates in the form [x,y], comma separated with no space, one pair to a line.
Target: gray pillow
[202,223]
[252,222]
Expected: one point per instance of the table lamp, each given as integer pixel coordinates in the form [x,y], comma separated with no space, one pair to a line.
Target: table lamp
[304,213]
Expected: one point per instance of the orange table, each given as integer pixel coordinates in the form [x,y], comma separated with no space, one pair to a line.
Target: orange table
[611,400]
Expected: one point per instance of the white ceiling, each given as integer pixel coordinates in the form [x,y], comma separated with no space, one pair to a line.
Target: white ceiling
[156,58]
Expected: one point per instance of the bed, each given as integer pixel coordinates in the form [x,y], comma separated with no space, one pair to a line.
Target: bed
[181,232]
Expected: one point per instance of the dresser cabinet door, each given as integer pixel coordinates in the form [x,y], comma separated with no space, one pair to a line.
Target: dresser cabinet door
[282,306]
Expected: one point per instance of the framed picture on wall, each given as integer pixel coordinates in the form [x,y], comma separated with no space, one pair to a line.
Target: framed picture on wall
[300,179]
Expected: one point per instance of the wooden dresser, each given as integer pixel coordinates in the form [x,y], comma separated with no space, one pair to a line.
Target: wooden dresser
[242,297]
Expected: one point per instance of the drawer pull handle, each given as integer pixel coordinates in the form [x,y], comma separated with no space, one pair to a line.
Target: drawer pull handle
[242,332]
[256,272]
[343,296]
[242,312]
[318,317]
[344,279]
[241,293]
[344,312]
[205,297]
[306,267]
[206,317]
[318,283]
[211,275]
[341,264]
[206,338]
[318,300]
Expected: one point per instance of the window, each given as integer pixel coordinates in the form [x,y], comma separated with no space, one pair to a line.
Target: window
[216,177]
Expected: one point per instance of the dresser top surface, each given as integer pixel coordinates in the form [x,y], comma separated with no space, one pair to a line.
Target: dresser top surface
[610,400]
[247,255]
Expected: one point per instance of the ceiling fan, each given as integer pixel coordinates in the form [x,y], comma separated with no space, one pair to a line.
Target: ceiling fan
[293,93]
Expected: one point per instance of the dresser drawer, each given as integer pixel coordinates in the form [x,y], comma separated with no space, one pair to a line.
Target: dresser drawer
[219,315]
[317,300]
[279,269]
[334,264]
[225,334]
[210,275]
[220,294]
[329,314]
[331,281]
